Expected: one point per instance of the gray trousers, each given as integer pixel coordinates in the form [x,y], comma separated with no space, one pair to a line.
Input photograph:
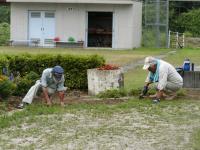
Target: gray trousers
[171,87]
[33,91]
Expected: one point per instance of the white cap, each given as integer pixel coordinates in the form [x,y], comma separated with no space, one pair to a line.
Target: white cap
[149,61]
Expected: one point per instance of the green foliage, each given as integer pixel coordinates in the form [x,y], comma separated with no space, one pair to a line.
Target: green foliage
[4,33]
[181,93]
[25,83]
[135,92]
[6,87]
[186,22]
[190,22]
[113,93]
[138,91]
[71,39]
[75,66]
[4,14]
[176,8]
[188,34]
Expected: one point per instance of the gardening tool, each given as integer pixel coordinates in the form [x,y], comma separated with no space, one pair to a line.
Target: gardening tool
[144,92]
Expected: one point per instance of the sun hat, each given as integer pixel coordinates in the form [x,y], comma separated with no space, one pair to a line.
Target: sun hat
[57,72]
[149,61]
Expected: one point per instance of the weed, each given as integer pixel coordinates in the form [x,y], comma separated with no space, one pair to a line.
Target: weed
[181,93]
[113,93]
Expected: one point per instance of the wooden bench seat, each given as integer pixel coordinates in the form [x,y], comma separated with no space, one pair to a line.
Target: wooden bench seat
[65,44]
[24,42]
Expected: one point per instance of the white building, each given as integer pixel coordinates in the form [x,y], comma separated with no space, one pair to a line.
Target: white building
[99,23]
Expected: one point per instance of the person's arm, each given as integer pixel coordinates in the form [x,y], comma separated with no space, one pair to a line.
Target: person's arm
[61,95]
[61,91]
[44,78]
[44,87]
[146,87]
[148,81]
[46,96]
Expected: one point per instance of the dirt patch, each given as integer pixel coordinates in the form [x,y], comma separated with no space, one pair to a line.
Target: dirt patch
[71,98]
[79,97]
[192,94]
[143,127]
[122,130]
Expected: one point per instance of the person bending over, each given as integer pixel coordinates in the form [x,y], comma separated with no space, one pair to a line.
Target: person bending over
[52,81]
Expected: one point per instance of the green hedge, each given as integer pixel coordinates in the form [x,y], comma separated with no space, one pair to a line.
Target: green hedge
[4,33]
[75,66]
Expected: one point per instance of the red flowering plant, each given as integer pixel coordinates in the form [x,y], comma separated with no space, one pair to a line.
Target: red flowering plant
[108,67]
[56,39]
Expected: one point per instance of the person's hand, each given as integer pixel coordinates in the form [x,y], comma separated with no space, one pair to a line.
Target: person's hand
[145,90]
[49,103]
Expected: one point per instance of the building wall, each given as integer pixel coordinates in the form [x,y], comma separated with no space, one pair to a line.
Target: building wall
[137,24]
[78,1]
[71,20]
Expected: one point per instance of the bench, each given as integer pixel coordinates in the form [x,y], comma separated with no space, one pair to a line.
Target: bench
[191,79]
[64,44]
[24,42]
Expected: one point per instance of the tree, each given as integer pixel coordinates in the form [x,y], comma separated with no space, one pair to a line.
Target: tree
[190,21]
[176,9]
[4,33]
[5,14]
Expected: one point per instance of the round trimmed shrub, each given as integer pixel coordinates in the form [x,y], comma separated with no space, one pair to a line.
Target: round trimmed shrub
[23,84]
[7,87]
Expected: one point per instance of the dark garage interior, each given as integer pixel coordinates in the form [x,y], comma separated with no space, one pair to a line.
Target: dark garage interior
[100,29]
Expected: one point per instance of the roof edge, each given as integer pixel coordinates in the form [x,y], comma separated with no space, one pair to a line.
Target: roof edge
[77,1]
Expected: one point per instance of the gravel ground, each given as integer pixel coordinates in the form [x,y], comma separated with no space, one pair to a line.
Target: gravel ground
[134,129]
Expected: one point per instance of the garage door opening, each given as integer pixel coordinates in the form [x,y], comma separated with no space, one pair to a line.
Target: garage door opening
[100,27]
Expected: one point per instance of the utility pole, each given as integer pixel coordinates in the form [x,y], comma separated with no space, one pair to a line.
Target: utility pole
[167,23]
[157,23]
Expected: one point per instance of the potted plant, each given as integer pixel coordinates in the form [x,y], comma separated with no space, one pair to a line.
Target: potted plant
[71,39]
[104,78]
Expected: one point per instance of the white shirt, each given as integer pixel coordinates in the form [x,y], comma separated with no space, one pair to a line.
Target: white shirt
[167,73]
[47,80]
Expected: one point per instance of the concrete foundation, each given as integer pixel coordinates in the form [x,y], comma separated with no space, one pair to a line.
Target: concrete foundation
[101,80]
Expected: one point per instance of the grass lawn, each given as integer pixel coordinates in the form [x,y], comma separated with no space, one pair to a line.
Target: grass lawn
[133,124]
[119,57]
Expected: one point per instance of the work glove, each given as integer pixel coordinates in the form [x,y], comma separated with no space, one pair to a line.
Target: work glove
[144,92]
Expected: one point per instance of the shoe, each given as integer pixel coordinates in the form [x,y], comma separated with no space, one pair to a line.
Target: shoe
[156,101]
[21,105]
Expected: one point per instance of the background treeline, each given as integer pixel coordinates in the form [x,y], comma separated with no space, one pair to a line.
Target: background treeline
[4,24]
[185,17]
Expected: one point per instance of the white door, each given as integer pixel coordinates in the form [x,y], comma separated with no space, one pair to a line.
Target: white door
[48,28]
[42,27]
[35,26]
